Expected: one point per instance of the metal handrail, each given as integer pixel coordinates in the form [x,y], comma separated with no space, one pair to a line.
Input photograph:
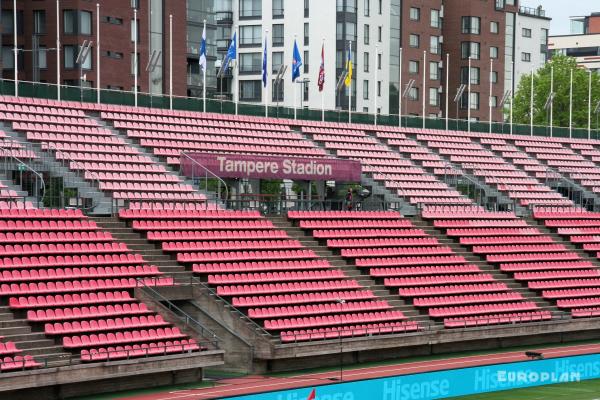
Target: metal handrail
[39,177]
[206,173]
[96,177]
[188,319]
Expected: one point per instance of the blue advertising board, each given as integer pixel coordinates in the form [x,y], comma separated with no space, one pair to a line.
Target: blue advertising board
[450,383]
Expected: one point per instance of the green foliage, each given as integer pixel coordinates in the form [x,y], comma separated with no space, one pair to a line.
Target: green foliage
[541,83]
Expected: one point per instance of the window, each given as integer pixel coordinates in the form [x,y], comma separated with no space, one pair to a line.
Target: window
[306,8]
[414,14]
[379,34]
[135,3]
[379,61]
[365,90]
[471,25]
[306,30]
[250,35]
[436,21]
[133,63]
[494,76]
[367,33]
[367,8]
[434,97]
[87,63]
[277,60]
[464,75]
[379,88]
[413,40]
[413,94]
[112,20]
[305,92]
[470,49]
[85,22]
[493,52]
[39,22]
[250,63]
[474,101]
[494,101]
[113,54]
[434,71]
[250,90]
[277,35]
[526,57]
[494,27]
[250,9]
[277,91]
[305,62]
[278,8]
[70,22]
[133,30]
[349,27]
[8,60]
[526,32]
[366,62]
[42,57]
[413,67]
[69,58]
[380,7]
[435,45]
[499,4]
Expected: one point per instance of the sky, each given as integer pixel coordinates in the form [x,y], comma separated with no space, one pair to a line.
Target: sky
[561,10]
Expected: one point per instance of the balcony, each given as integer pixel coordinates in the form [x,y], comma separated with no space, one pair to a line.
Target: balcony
[536,12]
[224,17]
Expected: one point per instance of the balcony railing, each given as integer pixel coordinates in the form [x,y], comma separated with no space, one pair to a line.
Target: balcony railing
[536,12]
[224,17]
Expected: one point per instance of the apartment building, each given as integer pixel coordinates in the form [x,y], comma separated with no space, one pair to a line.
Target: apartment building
[583,43]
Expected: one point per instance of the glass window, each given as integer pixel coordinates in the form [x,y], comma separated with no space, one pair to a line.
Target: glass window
[413,67]
[70,22]
[474,101]
[133,63]
[470,49]
[305,62]
[250,63]
[277,91]
[494,27]
[379,34]
[526,32]
[434,71]
[306,8]
[278,8]
[494,101]
[526,57]
[250,90]
[434,98]
[378,88]
[306,35]
[493,52]
[413,40]
[365,90]
[87,63]
[436,21]
[39,22]
[494,76]
[277,35]
[471,25]
[250,9]
[380,7]
[379,61]
[276,60]
[250,35]
[69,58]
[85,22]
[133,30]
[475,75]
[413,93]
[367,33]
[42,57]
[8,61]
[415,13]
[435,45]
[366,62]
[367,8]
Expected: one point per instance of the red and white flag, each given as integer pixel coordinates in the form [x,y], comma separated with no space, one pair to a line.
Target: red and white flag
[313,394]
[321,80]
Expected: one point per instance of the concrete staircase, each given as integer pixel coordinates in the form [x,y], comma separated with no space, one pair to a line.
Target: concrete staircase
[30,338]
[471,258]
[352,271]
[138,244]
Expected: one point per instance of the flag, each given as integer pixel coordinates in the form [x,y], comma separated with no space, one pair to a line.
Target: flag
[264,65]
[312,395]
[348,80]
[231,52]
[202,60]
[296,62]
[321,80]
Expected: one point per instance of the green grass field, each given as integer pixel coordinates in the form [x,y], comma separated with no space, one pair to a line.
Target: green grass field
[585,390]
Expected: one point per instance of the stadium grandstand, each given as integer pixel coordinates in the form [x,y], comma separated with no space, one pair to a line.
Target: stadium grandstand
[141,246]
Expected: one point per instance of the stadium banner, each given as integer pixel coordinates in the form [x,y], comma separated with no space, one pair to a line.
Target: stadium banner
[448,383]
[272,167]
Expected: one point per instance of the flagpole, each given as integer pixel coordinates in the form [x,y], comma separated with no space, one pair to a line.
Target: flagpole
[424,83]
[447,83]
[375,91]
[469,99]
[322,90]
[294,85]
[551,100]
[204,79]
[590,105]
[235,76]
[400,92]
[531,106]
[57,50]
[265,54]
[491,89]
[98,51]
[15,49]
[350,87]
[135,57]
[170,61]
[512,94]
[571,105]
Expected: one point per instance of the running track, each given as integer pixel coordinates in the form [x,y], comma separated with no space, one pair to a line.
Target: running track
[258,384]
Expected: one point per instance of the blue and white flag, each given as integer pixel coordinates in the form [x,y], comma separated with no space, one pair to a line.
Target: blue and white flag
[296,62]
[202,60]
[264,65]
[231,52]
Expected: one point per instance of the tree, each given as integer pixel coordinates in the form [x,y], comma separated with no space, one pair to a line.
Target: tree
[541,87]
